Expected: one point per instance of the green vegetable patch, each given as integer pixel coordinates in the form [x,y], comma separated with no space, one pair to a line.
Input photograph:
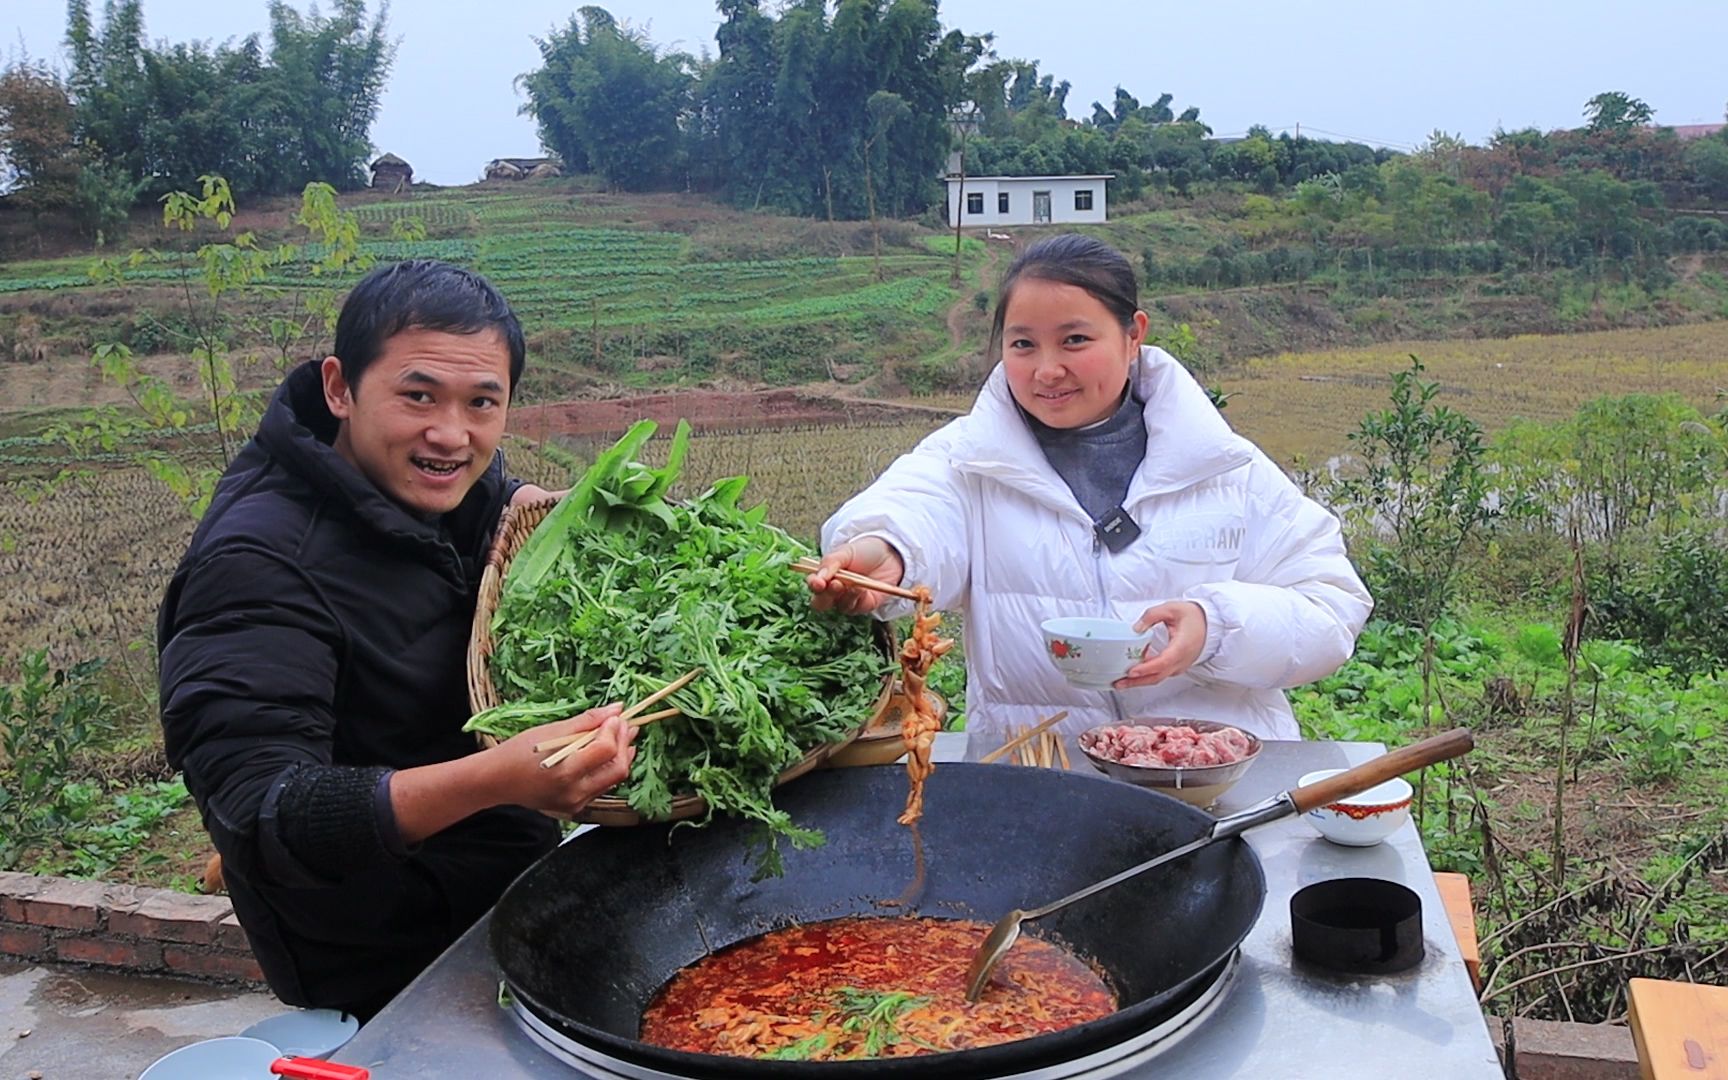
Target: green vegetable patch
[619,591]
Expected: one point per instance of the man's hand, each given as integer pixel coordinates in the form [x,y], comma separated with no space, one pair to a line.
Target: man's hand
[533,493]
[871,556]
[1186,622]
[569,786]
[430,798]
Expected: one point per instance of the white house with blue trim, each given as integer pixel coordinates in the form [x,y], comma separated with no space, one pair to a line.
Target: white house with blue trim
[1027,200]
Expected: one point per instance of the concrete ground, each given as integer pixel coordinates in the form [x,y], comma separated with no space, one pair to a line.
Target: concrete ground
[67,1023]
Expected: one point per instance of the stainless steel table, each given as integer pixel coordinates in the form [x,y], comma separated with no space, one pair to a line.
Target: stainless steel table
[1279,1020]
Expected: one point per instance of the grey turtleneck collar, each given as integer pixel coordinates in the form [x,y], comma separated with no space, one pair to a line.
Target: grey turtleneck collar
[1098,461]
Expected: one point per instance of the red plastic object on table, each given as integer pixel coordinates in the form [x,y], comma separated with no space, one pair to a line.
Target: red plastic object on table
[305,1068]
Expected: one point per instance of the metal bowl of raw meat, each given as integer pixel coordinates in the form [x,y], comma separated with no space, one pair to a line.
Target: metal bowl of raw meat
[1151,753]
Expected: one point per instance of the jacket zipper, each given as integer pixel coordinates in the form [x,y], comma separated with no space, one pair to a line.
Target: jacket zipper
[1104,608]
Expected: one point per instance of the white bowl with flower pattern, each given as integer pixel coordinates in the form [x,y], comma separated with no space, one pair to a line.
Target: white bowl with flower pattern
[1093,653]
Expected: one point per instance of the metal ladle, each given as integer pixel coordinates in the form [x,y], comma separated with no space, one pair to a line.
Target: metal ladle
[1443,747]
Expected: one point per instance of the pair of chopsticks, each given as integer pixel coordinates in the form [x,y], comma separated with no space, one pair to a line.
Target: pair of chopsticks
[810,566]
[1026,735]
[565,745]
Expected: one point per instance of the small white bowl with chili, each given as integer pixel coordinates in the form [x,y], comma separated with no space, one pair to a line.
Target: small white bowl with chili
[1360,820]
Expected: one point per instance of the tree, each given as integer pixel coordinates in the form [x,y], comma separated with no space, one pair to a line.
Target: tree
[36,146]
[1418,492]
[160,413]
[736,101]
[107,83]
[1537,219]
[1608,212]
[329,73]
[270,120]
[885,110]
[1613,110]
[784,115]
[1707,161]
[604,96]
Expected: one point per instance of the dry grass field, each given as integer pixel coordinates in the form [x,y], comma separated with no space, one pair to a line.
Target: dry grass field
[1303,405]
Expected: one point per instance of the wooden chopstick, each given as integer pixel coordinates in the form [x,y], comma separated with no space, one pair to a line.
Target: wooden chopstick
[1062,751]
[810,566]
[586,737]
[670,688]
[568,745]
[1014,744]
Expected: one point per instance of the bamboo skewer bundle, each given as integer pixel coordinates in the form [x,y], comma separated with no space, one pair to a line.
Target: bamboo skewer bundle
[1021,736]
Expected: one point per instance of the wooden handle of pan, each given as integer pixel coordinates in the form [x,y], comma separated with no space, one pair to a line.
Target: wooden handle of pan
[1442,747]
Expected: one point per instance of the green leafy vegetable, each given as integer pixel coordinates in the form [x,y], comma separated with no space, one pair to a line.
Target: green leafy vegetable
[623,591]
[802,1050]
[875,1013]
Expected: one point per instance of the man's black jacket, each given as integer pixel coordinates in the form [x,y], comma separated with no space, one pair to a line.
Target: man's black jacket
[315,623]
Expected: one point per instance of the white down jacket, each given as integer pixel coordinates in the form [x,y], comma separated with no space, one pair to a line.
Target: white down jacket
[979,515]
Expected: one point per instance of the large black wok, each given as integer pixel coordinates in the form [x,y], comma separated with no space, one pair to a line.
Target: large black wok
[587,935]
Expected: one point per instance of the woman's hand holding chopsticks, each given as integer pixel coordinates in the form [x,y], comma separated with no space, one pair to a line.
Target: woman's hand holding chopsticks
[856,576]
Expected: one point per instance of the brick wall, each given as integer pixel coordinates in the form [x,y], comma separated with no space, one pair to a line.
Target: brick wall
[123,926]
[1547,1050]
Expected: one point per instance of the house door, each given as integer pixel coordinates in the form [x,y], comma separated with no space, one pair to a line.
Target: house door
[1040,207]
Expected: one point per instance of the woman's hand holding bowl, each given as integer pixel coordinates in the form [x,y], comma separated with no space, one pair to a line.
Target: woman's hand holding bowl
[1186,623]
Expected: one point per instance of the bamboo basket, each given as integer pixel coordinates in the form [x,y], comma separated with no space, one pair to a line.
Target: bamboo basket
[514,527]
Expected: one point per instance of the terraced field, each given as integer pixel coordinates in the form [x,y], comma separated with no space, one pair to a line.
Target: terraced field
[639,291]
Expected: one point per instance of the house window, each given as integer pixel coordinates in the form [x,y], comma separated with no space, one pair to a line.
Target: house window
[1083,199]
[975,203]
[1001,202]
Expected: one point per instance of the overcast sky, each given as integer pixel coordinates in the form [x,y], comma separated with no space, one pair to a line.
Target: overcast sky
[1386,73]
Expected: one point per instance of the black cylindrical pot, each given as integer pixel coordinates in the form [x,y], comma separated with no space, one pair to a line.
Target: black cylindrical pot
[1362,926]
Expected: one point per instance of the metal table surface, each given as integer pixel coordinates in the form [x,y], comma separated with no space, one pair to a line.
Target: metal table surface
[1279,1019]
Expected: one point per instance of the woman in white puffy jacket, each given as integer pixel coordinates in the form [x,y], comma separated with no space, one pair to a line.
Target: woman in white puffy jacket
[1094,477]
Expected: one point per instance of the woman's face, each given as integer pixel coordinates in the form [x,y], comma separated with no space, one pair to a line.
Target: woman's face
[1065,355]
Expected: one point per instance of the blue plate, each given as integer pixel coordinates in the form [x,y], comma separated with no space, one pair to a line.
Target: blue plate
[306,1032]
[231,1058]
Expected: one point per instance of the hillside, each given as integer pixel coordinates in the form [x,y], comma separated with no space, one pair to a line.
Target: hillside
[621,293]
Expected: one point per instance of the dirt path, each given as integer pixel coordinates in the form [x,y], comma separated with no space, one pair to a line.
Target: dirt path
[958,313]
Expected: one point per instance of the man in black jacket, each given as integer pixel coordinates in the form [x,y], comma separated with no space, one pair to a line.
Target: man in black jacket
[312,652]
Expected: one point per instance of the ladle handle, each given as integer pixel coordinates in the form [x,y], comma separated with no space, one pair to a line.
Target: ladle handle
[1442,747]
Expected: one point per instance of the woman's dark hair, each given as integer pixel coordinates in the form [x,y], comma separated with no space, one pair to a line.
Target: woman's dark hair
[421,294]
[1080,261]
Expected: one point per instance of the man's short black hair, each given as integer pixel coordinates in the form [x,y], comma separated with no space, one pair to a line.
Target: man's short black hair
[421,294]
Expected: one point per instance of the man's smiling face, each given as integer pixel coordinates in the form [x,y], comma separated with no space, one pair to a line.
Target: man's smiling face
[423,420]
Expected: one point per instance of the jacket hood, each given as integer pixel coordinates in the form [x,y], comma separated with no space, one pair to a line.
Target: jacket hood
[1187,441]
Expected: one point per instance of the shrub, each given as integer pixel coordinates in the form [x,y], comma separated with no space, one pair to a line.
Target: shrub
[1675,605]
[46,718]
